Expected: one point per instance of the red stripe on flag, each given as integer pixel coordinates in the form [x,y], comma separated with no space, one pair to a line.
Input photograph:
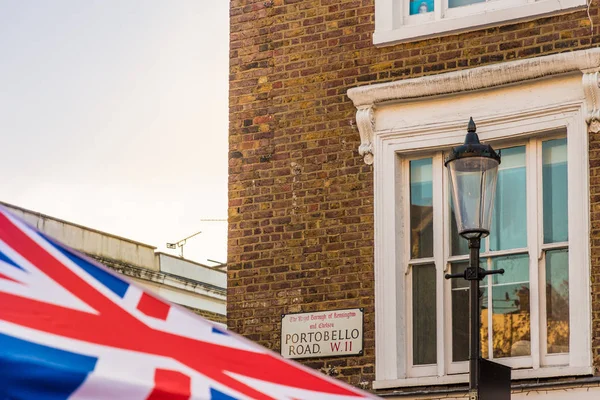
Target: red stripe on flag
[2,276]
[170,385]
[12,236]
[153,307]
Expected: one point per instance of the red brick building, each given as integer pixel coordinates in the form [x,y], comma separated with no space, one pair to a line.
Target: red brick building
[341,113]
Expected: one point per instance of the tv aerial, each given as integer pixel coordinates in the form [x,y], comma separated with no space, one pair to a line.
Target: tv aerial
[183,241]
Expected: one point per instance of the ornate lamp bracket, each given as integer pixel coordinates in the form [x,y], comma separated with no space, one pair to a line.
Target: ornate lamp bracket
[591,87]
[365,120]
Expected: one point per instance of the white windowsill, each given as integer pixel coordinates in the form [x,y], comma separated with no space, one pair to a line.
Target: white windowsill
[464,21]
[548,372]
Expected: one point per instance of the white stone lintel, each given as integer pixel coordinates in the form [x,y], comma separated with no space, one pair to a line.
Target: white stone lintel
[586,62]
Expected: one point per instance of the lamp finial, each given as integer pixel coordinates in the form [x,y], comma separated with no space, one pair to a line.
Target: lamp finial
[472,127]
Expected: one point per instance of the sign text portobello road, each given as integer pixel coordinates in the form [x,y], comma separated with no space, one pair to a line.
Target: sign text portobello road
[322,334]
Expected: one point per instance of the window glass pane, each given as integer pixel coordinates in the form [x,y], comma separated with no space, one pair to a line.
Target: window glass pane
[421,208]
[420,6]
[460,3]
[459,245]
[509,223]
[554,170]
[460,314]
[557,300]
[424,314]
[510,307]
[484,301]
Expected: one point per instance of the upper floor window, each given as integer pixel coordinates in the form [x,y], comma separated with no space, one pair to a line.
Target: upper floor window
[403,20]
[536,317]
[525,312]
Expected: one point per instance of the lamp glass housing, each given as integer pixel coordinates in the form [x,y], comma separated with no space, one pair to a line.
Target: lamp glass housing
[473,181]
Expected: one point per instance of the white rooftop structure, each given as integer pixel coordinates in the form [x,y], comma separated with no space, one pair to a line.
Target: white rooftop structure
[193,285]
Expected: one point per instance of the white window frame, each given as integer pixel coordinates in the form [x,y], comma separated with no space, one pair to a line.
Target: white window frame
[578,361]
[429,113]
[393,24]
[534,251]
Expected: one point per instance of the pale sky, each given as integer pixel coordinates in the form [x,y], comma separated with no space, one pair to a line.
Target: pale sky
[113,115]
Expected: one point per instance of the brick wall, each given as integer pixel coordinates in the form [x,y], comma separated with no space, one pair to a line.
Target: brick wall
[594,157]
[212,316]
[300,196]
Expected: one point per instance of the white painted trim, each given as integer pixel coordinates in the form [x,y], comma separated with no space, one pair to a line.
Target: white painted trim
[172,281]
[438,171]
[365,98]
[411,370]
[580,351]
[533,171]
[463,378]
[484,77]
[390,27]
[400,204]
[449,366]
[388,280]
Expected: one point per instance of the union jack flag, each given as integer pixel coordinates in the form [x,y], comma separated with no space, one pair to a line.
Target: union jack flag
[72,329]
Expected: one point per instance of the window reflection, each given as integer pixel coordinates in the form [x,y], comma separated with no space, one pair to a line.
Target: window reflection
[485,310]
[424,315]
[509,223]
[421,208]
[420,6]
[460,3]
[510,309]
[557,301]
[554,176]
[460,314]
[460,246]
[511,329]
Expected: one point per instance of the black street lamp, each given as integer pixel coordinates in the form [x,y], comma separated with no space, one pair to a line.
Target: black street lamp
[473,171]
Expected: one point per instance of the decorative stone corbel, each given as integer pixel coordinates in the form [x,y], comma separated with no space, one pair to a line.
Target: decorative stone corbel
[591,88]
[365,120]
[594,126]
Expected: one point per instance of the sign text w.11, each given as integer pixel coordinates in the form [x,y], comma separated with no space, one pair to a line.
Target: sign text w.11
[322,334]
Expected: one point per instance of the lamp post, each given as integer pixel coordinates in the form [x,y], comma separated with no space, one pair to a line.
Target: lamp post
[473,171]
